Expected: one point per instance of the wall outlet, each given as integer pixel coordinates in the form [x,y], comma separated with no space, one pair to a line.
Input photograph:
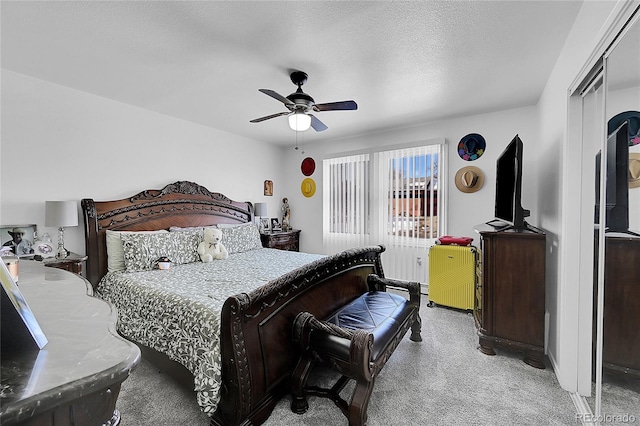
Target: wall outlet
[419,261]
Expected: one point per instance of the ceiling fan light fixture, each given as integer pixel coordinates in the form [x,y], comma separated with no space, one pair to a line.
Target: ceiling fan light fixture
[299,121]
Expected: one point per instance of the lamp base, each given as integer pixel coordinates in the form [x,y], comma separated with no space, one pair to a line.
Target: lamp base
[62,252]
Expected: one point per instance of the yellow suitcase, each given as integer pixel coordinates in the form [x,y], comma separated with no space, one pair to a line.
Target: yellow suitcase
[452,275]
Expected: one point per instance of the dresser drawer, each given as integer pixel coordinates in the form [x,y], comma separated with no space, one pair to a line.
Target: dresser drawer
[286,240]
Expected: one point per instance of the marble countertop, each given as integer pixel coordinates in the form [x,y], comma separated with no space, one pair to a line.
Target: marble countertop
[84,353]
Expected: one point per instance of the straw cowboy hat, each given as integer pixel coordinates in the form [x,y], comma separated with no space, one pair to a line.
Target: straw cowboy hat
[308,187]
[469,179]
[634,170]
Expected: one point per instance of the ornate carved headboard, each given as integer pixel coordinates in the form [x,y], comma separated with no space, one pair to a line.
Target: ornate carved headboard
[182,204]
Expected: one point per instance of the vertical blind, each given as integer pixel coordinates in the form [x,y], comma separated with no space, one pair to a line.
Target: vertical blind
[388,197]
[346,202]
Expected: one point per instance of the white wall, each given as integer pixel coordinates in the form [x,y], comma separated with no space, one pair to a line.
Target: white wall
[63,144]
[465,210]
[562,295]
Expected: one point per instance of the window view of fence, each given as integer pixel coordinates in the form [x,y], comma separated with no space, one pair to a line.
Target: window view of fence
[412,198]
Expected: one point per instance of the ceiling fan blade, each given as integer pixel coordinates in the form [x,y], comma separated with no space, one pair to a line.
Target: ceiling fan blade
[276,95]
[336,106]
[317,125]
[257,120]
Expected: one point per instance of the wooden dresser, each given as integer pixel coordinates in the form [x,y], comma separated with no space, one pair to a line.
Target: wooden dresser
[282,240]
[509,307]
[621,318]
[76,378]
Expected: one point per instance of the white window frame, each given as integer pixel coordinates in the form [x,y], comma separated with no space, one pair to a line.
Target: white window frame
[358,239]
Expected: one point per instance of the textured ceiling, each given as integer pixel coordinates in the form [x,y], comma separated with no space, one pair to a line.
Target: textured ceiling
[404,63]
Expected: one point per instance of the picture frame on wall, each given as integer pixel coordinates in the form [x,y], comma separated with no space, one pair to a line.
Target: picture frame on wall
[17,239]
[268,188]
[275,224]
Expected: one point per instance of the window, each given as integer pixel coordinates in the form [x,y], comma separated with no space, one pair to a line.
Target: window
[387,197]
[412,194]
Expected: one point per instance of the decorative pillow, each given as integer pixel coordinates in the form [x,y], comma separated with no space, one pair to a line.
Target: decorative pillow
[197,229]
[178,229]
[141,251]
[115,251]
[238,239]
[229,225]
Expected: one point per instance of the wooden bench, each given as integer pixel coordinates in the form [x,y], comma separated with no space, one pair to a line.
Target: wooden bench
[356,340]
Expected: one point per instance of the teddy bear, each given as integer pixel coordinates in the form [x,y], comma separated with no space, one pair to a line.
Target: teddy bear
[211,248]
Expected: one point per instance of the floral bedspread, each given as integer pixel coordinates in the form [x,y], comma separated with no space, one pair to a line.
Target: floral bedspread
[177,311]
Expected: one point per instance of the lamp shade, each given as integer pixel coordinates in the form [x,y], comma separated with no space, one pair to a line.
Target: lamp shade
[299,121]
[261,209]
[61,213]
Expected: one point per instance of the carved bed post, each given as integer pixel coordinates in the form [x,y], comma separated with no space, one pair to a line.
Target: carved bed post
[91,241]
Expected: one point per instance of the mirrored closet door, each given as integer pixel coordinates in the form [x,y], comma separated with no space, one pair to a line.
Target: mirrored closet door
[616,159]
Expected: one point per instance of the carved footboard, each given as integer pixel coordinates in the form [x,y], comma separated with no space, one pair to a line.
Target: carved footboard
[257,349]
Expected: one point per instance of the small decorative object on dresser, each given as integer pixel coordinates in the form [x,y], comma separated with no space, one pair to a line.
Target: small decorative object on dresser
[275,224]
[43,247]
[282,240]
[286,215]
[17,239]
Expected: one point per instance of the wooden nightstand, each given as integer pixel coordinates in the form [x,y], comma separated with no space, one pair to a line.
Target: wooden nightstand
[72,263]
[282,240]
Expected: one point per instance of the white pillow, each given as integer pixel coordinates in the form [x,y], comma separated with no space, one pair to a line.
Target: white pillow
[115,250]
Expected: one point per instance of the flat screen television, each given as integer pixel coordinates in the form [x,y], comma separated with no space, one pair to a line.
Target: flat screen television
[616,182]
[508,206]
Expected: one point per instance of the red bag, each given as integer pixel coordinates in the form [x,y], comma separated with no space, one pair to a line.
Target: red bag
[458,241]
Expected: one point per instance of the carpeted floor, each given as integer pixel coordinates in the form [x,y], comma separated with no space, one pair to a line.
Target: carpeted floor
[443,380]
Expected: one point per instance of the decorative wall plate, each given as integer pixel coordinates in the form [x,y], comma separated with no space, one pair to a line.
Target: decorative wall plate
[471,147]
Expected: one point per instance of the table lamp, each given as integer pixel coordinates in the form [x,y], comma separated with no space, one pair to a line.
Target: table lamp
[261,211]
[60,214]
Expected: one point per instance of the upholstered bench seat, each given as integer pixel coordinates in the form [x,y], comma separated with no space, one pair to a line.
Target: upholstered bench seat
[378,312]
[356,340]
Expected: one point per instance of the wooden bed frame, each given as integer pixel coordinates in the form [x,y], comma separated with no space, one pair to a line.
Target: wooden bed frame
[258,355]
